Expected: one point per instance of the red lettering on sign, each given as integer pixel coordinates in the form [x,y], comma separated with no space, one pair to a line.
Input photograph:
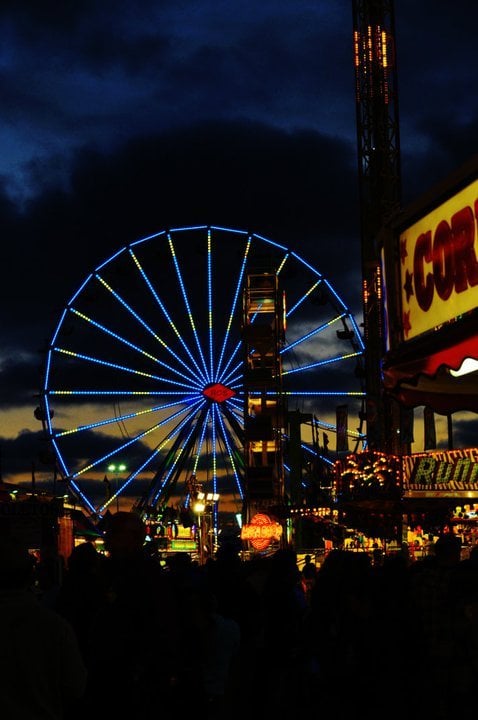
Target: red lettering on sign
[423,285]
[443,271]
[448,262]
[466,264]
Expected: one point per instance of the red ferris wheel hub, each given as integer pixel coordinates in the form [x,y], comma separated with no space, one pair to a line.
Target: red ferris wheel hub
[217,392]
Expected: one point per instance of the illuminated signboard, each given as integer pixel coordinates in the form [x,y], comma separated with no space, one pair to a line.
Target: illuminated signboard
[183,544]
[448,473]
[438,474]
[439,264]
[261,531]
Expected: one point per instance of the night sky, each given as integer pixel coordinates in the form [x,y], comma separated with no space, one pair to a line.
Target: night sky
[120,119]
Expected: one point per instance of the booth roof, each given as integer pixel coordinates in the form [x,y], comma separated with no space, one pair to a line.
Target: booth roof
[419,374]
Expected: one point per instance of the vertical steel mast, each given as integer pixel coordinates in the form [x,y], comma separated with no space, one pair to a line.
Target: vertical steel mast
[264,407]
[379,175]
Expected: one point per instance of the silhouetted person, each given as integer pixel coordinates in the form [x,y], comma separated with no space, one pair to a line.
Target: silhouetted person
[309,575]
[134,665]
[285,605]
[338,634]
[83,592]
[42,673]
[432,626]
[217,643]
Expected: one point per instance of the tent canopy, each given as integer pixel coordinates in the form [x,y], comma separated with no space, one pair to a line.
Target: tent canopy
[419,373]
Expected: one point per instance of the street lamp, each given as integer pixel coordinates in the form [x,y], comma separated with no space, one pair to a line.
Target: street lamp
[204,509]
[212,498]
[199,507]
[116,469]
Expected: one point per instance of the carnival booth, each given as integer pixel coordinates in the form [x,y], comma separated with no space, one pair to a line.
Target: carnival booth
[429,369]
[431,361]
[431,271]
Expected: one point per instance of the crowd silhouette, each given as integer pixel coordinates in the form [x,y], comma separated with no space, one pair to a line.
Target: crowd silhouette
[127,635]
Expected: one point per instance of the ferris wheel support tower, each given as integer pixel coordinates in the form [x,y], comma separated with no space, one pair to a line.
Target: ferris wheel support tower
[263,335]
[379,174]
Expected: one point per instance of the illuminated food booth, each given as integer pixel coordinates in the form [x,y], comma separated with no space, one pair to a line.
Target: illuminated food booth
[430,364]
[431,272]
[429,370]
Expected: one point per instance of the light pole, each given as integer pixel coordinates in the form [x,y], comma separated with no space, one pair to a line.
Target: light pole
[199,507]
[117,468]
[212,499]
[204,508]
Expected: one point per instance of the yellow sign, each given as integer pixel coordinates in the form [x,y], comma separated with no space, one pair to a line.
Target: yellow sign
[439,264]
[183,544]
[451,472]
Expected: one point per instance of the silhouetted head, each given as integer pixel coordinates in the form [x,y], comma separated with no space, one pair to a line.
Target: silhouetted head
[125,534]
[83,557]
[474,555]
[16,565]
[447,549]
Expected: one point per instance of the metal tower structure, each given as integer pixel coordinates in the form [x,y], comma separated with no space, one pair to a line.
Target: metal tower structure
[264,409]
[379,176]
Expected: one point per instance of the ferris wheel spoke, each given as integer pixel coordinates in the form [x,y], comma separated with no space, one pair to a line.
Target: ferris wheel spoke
[140,436]
[227,444]
[202,436]
[186,303]
[144,324]
[304,297]
[232,356]
[176,432]
[191,408]
[169,437]
[214,449]
[123,368]
[85,499]
[167,316]
[227,333]
[235,383]
[223,376]
[178,459]
[354,434]
[321,393]
[115,393]
[236,369]
[131,345]
[282,263]
[121,418]
[308,450]
[311,333]
[357,339]
[209,304]
[130,479]
[236,407]
[321,363]
[317,274]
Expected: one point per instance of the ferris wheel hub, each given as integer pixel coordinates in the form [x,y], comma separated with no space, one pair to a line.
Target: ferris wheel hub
[217,392]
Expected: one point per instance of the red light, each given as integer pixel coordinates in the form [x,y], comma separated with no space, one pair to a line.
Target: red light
[217,392]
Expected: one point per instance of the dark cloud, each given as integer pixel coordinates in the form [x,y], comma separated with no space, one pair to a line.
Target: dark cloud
[21,379]
[119,122]
[436,80]
[465,432]
[244,176]
[20,455]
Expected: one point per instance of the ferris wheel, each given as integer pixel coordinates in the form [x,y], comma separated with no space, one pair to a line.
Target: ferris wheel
[144,382]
